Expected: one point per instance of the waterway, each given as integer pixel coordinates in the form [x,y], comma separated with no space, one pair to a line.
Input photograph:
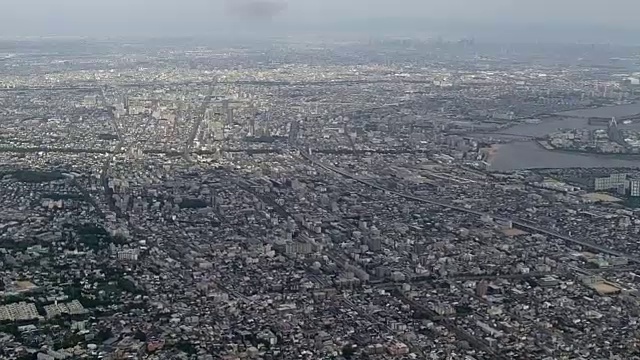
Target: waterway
[530,155]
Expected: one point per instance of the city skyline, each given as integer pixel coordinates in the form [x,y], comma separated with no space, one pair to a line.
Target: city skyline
[582,20]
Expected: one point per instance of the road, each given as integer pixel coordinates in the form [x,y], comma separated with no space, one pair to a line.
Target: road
[196,126]
[104,174]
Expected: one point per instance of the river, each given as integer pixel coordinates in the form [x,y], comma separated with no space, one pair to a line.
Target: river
[529,155]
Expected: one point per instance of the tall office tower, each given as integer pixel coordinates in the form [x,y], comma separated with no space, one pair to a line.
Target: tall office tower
[293,131]
[125,102]
[614,132]
[481,288]
[230,116]
[635,188]
[252,125]
[228,111]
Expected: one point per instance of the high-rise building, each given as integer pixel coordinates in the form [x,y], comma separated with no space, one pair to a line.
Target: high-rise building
[228,111]
[614,133]
[613,181]
[635,188]
[293,131]
[481,288]
[125,103]
[375,244]
[252,126]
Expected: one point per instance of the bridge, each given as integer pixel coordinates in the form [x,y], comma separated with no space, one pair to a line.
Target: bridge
[500,134]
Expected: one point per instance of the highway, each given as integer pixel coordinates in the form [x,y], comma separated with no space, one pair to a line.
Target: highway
[521,224]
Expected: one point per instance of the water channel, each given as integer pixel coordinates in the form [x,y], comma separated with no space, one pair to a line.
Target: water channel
[529,155]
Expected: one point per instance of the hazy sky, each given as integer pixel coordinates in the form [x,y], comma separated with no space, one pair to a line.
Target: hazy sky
[162,17]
